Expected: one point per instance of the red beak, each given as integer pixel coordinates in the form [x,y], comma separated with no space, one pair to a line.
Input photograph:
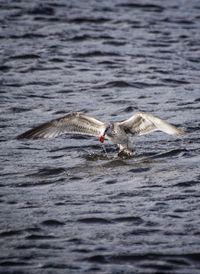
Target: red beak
[101,139]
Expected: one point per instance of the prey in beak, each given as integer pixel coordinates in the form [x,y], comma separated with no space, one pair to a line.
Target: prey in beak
[101,139]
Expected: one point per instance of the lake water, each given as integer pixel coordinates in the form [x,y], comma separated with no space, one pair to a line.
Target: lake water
[66,207]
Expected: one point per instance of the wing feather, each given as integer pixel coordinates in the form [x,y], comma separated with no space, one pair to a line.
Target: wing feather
[74,123]
[142,123]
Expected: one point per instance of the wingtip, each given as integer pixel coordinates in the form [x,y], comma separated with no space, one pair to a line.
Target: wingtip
[29,134]
[19,137]
[24,136]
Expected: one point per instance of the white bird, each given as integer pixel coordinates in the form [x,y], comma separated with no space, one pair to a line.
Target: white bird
[78,123]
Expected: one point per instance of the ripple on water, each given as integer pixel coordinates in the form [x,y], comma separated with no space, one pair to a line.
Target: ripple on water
[48,171]
[52,223]
[94,220]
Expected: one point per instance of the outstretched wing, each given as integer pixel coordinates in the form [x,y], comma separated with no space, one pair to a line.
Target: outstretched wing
[74,123]
[143,123]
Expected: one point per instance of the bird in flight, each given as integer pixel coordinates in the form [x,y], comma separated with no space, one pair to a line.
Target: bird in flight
[78,123]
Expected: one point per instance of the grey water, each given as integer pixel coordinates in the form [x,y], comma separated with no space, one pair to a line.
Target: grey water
[66,206]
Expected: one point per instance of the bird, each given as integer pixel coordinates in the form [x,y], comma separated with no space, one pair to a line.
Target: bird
[78,123]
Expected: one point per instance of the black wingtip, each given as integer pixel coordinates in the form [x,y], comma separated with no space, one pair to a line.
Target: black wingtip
[34,133]
[27,135]
[21,137]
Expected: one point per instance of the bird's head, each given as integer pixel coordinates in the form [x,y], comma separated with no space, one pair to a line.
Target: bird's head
[107,131]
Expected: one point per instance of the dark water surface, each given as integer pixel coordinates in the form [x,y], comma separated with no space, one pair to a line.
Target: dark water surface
[66,207]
